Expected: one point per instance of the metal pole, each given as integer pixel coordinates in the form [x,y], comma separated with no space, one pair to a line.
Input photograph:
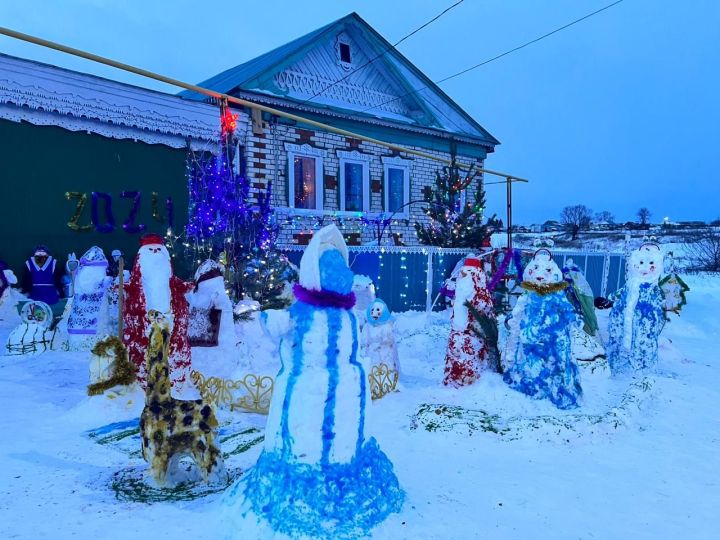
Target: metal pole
[508,181]
[121,294]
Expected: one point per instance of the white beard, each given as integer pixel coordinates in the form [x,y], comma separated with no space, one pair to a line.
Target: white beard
[156,273]
[88,279]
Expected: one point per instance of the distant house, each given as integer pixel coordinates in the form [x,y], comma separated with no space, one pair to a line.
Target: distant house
[552,226]
[347,75]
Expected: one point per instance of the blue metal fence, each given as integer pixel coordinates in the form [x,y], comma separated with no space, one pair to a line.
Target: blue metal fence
[410,278]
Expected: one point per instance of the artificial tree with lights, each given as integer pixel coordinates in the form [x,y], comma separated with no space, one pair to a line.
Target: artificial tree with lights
[225,224]
[452,223]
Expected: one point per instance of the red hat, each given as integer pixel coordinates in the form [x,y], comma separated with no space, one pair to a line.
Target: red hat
[472,261]
[150,239]
[486,242]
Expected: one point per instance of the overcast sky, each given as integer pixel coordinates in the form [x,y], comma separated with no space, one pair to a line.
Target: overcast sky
[617,112]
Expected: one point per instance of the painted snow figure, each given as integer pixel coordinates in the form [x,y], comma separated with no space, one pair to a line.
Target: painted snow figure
[467,352]
[9,297]
[152,285]
[41,279]
[538,351]
[364,290]
[636,317]
[318,475]
[581,296]
[211,311]
[673,287]
[378,337]
[88,318]
[33,335]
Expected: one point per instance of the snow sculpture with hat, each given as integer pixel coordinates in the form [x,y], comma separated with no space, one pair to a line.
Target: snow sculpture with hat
[468,351]
[152,285]
[41,280]
[318,474]
[636,317]
[378,337]
[538,349]
[211,311]
[88,318]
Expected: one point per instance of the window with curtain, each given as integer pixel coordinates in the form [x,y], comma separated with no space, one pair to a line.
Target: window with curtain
[353,179]
[395,188]
[305,183]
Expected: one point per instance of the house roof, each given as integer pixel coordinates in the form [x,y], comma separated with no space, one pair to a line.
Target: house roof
[399,92]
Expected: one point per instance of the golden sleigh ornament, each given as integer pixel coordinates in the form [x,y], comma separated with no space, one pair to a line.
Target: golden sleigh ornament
[383,380]
[255,391]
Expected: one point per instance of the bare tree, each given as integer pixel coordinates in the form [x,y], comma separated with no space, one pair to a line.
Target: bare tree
[604,217]
[703,250]
[644,216]
[576,218]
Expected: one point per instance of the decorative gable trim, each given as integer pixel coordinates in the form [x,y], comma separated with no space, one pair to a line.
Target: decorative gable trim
[354,155]
[305,149]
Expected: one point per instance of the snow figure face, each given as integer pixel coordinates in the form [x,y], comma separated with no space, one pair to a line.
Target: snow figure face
[378,313]
[335,275]
[154,261]
[542,270]
[646,264]
[40,256]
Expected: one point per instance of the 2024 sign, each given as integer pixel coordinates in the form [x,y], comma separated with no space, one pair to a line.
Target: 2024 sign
[130,226]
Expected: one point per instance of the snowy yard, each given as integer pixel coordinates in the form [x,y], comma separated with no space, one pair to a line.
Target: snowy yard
[544,474]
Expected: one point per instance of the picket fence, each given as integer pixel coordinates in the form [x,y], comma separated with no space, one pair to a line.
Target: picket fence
[409,278]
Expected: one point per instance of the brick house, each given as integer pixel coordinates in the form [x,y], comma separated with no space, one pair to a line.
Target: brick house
[346,75]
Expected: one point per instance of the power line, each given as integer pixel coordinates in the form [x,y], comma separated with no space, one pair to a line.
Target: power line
[384,52]
[526,44]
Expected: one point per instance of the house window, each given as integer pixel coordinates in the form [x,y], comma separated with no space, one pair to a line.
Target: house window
[345,53]
[397,185]
[305,177]
[354,181]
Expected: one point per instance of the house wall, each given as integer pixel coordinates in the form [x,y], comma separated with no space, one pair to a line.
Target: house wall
[266,159]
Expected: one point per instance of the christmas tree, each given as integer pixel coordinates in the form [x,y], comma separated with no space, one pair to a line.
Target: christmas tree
[224,223]
[452,222]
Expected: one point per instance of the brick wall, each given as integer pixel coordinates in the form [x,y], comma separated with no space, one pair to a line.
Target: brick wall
[266,159]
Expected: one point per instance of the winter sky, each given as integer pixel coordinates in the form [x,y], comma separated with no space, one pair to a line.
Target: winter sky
[617,112]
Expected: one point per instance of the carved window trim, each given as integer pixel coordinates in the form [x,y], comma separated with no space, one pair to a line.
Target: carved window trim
[343,39]
[396,162]
[306,151]
[356,158]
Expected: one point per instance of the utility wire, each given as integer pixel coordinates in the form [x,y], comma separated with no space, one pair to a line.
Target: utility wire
[526,44]
[393,46]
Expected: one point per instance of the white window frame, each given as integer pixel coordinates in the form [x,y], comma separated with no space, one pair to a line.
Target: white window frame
[356,158]
[343,39]
[396,162]
[307,151]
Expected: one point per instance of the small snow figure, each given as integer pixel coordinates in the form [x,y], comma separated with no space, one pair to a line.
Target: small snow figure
[364,291]
[211,311]
[152,285]
[8,296]
[538,350]
[378,337]
[41,280]
[467,351]
[318,475]
[88,318]
[673,287]
[637,315]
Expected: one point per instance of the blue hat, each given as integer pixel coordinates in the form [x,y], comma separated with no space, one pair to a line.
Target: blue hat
[385,315]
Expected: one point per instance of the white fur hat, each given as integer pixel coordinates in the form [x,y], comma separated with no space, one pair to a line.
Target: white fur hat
[328,237]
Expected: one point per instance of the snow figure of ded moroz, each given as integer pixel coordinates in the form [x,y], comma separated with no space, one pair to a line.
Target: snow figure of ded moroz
[318,475]
[467,352]
[89,316]
[636,317]
[378,337]
[538,349]
[152,285]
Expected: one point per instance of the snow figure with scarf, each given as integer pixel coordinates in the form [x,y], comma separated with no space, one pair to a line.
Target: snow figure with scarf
[378,337]
[211,311]
[538,349]
[152,285]
[467,352]
[88,318]
[318,475]
[636,317]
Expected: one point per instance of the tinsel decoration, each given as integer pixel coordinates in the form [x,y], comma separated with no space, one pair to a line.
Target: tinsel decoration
[124,372]
[129,225]
[81,202]
[109,225]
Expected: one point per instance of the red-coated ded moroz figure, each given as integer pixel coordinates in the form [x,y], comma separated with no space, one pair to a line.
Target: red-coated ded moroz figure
[467,352]
[152,286]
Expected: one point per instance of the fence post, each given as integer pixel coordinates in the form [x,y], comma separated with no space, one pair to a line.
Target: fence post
[605,275]
[429,282]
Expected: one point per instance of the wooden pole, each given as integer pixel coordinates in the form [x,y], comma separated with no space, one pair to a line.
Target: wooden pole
[245,103]
[121,294]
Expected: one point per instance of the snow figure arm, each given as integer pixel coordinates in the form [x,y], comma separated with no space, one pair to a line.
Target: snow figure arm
[10,277]
[276,322]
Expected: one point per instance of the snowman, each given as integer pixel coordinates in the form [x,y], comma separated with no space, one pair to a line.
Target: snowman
[211,311]
[364,290]
[9,297]
[319,475]
[378,337]
[636,317]
[538,350]
[88,316]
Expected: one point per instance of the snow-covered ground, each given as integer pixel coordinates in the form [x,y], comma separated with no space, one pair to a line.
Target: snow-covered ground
[646,467]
